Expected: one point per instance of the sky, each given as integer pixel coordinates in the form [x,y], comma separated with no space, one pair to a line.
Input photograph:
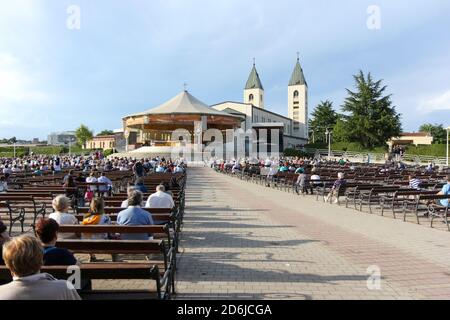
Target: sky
[63,63]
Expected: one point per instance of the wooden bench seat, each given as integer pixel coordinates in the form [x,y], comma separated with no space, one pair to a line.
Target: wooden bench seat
[113,271]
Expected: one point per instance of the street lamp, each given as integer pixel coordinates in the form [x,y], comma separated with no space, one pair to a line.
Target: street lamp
[328,134]
[448,133]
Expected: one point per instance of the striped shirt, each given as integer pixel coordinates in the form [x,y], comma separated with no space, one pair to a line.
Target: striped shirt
[414,183]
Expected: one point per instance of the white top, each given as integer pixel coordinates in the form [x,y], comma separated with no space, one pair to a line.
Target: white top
[90,180]
[124,204]
[64,218]
[40,286]
[104,179]
[160,200]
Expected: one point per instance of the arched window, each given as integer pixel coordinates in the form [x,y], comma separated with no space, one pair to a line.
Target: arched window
[250,97]
[295,94]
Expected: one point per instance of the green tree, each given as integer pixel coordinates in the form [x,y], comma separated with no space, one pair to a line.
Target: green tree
[83,135]
[437,131]
[105,133]
[340,133]
[370,117]
[323,117]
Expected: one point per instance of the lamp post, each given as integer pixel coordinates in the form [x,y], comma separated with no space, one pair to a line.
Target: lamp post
[15,150]
[448,133]
[328,134]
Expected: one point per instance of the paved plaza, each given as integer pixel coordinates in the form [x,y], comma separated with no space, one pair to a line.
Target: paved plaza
[245,241]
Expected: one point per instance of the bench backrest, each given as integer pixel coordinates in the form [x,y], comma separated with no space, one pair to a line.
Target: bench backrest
[112,246]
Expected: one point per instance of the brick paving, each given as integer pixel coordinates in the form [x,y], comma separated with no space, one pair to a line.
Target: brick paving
[245,241]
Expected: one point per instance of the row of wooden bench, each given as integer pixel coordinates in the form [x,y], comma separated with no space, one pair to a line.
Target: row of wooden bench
[371,192]
[161,267]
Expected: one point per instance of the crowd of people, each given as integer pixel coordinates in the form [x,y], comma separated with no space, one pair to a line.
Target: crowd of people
[40,164]
[25,255]
[307,170]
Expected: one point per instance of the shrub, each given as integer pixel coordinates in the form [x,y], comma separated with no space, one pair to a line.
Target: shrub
[108,152]
[295,153]
[434,150]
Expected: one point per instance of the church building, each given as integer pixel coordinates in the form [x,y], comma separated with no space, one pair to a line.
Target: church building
[294,127]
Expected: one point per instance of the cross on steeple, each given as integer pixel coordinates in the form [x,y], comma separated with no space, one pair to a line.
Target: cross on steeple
[185,86]
[298,56]
[254,61]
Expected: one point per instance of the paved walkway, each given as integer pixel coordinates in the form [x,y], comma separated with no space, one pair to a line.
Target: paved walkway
[245,241]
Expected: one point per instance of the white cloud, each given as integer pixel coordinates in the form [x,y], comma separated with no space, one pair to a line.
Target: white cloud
[436,103]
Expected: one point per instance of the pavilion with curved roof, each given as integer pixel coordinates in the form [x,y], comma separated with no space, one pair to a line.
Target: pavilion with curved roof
[154,126]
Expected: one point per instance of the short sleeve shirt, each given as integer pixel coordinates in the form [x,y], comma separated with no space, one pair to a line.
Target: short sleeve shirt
[446,191]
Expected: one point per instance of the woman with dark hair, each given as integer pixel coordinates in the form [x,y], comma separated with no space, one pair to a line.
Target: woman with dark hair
[47,232]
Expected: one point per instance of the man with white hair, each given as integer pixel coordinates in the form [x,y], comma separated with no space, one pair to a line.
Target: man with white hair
[160,199]
[339,183]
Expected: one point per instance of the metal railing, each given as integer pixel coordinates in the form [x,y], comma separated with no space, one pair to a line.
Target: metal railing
[376,157]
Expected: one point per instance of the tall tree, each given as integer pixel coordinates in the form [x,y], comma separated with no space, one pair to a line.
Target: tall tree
[323,117]
[437,131]
[83,135]
[105,133]
[340,133]
[370,117]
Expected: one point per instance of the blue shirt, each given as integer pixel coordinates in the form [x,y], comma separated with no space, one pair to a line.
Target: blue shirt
[54,256]
[141,187]
[134,216]
[445,191]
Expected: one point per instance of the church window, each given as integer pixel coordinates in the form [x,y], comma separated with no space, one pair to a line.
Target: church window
[295,94]
[250,97]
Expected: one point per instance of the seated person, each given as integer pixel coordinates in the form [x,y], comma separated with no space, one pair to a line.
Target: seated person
[104,179]
[96,216]
[135,215]
[4,237]
[24,257]
[61,206]
[445,192]
[125,202]
[3,185]
[47,232]
[139,185]
[160,199]
[414,182]
[284,168]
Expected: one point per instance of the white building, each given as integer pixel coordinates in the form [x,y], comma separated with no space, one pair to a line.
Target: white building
[61,138]
[294,128]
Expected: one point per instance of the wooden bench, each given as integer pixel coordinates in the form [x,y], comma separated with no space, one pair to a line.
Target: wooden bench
[144,247]
[18,206]
[158,231]
[112,271]
[436,210]
[375,196]
[403,199]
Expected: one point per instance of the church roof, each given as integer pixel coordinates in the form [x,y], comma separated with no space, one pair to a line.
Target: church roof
[297,77]
[183,103]
[253,81]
